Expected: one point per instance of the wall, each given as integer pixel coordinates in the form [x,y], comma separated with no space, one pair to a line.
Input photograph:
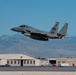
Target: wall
[70,61]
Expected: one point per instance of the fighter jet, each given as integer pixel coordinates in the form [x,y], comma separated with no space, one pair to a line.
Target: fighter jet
[42,35]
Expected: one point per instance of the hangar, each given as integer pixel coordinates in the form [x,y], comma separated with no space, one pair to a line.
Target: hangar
[58,61]
[18,60]
[25,60]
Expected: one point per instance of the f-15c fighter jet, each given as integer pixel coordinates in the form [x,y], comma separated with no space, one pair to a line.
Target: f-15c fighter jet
[42,35]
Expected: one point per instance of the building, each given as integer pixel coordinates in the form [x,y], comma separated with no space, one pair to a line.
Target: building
[18,60]
[70,61]
[43,61]
[58,61]
[24,60]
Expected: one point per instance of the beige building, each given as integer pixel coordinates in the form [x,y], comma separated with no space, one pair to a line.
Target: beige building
[70,61]
[24,60]
[58,61]
[18,60]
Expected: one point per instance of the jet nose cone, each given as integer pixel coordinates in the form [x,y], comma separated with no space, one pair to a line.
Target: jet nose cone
[16,29]
[13,29]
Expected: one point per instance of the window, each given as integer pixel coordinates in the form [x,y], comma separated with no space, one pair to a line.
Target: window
[63,61]
[30,61]
[27,61]
[7,62]
[18,61]
[59,62]
[15,62]
[24,61]
[33,62]
[11,62]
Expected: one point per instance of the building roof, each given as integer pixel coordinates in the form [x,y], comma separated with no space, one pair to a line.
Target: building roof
[15,56]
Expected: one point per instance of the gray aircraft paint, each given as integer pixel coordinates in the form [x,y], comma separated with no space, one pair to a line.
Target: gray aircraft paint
[42,35]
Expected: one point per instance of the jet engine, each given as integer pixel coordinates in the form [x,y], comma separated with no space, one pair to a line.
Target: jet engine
[27,34]
[38,37]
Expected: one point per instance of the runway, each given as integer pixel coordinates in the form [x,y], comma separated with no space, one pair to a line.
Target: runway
[62,69]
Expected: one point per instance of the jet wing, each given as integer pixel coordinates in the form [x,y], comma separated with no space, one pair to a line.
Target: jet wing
[39,34]
[35,31]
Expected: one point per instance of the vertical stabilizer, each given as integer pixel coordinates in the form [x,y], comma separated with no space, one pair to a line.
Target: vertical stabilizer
[63,31]
[54,29]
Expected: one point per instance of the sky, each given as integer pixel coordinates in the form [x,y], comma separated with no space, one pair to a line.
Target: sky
[40,14]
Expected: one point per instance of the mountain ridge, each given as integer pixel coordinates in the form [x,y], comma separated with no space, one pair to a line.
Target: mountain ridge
[53,48]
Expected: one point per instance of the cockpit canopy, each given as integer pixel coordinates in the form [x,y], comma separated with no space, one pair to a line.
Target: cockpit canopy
[23,26]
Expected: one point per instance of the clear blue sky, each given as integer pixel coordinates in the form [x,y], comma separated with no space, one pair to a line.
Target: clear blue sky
[41,14]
